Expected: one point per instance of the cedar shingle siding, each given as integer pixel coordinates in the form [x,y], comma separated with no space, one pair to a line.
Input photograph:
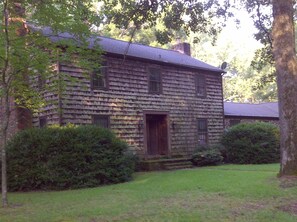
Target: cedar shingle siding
[128,97]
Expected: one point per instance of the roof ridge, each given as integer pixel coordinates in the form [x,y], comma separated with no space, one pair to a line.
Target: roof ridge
[140,44]
[136,50]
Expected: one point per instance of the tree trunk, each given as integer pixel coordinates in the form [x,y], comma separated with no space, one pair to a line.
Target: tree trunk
[3,136]
[12,16]
[283,35]
[6,107]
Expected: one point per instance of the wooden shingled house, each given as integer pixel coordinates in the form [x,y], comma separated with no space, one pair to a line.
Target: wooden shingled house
[163,103]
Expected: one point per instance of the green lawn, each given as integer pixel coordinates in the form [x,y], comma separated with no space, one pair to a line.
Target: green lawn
[224,193]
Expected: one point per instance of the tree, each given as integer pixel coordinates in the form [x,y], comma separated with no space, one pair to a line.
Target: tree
[26,54]
[284,52]
[186,15]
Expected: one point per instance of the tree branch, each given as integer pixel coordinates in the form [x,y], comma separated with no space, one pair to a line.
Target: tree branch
[262,26]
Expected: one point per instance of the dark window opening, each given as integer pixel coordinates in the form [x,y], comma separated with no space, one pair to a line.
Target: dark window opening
[99,78]
[202,132]
[155,84]
[41,81]
[234,122]
[101,120]
[42,122]
[200,85]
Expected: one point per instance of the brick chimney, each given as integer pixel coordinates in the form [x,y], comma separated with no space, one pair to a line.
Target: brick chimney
[183,47]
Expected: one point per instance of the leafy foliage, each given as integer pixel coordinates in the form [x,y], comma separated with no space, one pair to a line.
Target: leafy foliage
[177,15]
[68,157]
[252,143]
[207,156]
[27,55]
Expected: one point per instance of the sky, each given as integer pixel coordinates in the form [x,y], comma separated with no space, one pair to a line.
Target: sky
[237,37]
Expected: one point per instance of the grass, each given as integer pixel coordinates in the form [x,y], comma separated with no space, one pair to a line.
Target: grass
[223,193]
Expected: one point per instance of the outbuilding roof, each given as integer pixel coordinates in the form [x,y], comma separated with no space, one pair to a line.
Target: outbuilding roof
[135,50]
[266,110]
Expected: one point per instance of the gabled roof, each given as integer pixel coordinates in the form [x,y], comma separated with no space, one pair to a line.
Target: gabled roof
[135,50]
[266,110]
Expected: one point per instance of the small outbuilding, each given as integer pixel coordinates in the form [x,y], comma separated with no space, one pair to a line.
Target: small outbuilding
[247,112]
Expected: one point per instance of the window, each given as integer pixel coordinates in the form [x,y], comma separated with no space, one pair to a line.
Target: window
[101,120]
[41,81]
[155,85]
[234,122]
[99,78]
[42,122]
[200,85]
[202,132]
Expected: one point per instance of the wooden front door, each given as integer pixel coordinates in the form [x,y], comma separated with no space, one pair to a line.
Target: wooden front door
[157,134]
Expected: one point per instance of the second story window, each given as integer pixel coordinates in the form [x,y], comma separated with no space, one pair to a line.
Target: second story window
[155,81]
[200,86]
[202,132]
[99,78]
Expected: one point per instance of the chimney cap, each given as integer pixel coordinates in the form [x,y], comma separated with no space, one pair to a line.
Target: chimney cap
[183,47]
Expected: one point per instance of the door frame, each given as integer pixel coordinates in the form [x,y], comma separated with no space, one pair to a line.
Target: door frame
[153,112]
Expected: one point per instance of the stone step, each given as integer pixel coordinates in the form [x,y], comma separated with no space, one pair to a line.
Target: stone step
[179,167]
[165,164]
[178,163]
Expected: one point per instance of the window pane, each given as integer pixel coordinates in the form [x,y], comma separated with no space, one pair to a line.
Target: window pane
[101,120]
[202,127]
[202,132]
[154,80]
[202,138]
[42,122]
[200,85]
[41,82]
[99,78]
[234,122]
[154,77]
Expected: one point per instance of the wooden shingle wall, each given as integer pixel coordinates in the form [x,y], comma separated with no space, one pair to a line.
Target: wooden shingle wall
[127,98]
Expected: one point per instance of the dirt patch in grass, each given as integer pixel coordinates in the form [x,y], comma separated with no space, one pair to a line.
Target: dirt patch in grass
[288,181]
[243,208]
[16,205]
[290,208]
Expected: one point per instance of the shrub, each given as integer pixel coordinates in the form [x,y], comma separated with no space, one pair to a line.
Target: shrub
[252,143]
[68,157]
[206,156]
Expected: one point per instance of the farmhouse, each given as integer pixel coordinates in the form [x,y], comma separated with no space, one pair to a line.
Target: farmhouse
[163,103]
[246,112]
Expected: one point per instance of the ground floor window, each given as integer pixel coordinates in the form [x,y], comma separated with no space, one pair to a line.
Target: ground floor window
[202,132]
[42,122]
[234,122]
[101,120]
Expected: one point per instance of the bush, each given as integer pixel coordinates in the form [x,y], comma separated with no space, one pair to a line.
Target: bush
[207,156]
[252,143]
[67,157]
